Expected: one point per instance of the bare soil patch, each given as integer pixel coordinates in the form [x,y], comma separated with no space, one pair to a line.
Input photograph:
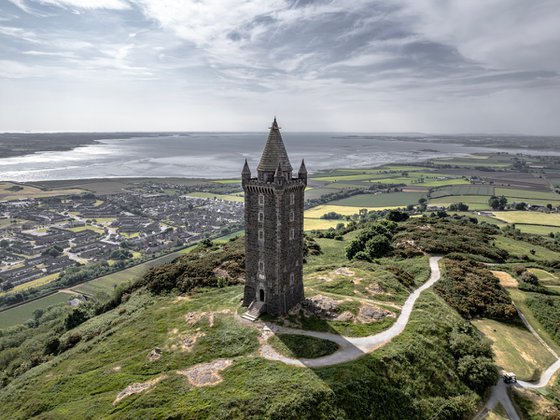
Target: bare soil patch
[137,388]
[506,280]
[206,374]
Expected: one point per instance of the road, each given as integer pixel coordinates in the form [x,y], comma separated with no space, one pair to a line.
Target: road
[352,348]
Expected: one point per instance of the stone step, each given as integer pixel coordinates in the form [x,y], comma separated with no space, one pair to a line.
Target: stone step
[250,317]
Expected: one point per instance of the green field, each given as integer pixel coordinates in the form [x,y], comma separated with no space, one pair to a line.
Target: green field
[106,284]
[520,249]
[473,189]
[527,194]
[519,297]
[475,202]
[529,217]
[22,313]
[480,219]
[537,229]
[381,200]
[516,349]
[226,197]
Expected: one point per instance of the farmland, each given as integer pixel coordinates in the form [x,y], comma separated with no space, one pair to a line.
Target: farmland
[22,313]
[317,212]
[320,224]
[226,197]
[530,218]
[13,191]
[381,200]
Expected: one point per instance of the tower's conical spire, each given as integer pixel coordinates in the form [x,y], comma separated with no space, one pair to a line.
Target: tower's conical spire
[302,168]
[246,170]
[274,152]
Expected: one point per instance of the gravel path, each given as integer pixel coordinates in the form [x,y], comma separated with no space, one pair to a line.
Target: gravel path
[353,347]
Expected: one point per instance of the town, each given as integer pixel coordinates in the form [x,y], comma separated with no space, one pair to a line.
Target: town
[42,237]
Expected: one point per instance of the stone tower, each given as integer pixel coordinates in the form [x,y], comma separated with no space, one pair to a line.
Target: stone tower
[273,230]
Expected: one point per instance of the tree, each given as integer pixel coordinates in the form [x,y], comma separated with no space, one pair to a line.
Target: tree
[458,207]
[397,216]
[378,246]
[4,243]
[520,206]
[75,318]
[53,251]
[478,373]
[497,203]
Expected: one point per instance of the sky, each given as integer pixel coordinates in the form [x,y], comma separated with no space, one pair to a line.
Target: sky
[433,66]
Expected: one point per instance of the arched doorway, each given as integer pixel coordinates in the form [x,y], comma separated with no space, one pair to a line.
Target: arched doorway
[261,295]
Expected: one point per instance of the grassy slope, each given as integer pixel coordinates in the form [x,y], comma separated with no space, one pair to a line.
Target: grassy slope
[22,313]
[516,349]
[406,376]
[519,249]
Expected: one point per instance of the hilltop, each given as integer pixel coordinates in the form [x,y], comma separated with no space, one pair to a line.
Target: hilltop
[164,349]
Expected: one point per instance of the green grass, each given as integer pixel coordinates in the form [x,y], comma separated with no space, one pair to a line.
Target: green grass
[527,194]
[516,349]
[226,197]
[475,202]
[537,229]
[474,189]
[480,219]
[520,297]
[413,375]
[520,249]
[381,200]
[546,278]
[529,217]
[22,313]
[301,346]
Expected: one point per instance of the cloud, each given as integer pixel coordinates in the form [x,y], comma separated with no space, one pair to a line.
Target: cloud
[341,58]
[89,4]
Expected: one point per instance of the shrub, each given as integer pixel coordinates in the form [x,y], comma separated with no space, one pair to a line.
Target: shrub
[473,291]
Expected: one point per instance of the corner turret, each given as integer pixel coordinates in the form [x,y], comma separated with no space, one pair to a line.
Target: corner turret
[302,173]
[245,173]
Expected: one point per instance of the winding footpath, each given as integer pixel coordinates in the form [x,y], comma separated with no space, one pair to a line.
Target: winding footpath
[352,348]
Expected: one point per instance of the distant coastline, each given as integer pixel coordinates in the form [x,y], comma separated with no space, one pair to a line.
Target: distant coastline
[213,155]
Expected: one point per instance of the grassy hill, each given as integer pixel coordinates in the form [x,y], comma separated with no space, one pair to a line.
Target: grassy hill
[158,352]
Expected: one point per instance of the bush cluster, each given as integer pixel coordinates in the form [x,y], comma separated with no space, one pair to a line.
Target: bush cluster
[373,242]
[445,236]
[198,269]
[474,292]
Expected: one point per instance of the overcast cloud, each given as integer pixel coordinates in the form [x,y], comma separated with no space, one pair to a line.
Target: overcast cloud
[361,65]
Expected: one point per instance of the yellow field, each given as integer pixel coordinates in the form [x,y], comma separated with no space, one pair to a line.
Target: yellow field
[319,224]
[317,212]
[516,349]
[129,235]
[31,192]
[529,217]
[226,197]
[35,283]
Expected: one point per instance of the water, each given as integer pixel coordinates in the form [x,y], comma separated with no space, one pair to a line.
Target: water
[217,155]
